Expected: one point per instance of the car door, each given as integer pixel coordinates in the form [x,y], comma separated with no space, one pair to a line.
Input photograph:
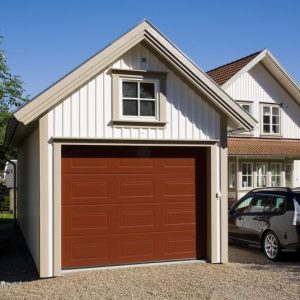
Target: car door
[236,230]
[262,209]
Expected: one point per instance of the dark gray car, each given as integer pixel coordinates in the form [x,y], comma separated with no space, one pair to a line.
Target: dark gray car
[268,217]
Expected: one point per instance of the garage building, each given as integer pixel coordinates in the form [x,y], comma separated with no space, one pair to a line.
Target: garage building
[124,160]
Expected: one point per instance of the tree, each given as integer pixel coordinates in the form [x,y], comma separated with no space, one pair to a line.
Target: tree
[11,93]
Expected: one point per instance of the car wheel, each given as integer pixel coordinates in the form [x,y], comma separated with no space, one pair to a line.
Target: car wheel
[271,246]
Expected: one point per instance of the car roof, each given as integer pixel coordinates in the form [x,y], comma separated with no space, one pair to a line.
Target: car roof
[276,190]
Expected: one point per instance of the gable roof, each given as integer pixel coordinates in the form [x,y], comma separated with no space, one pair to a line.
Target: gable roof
[225,75]
[147,33]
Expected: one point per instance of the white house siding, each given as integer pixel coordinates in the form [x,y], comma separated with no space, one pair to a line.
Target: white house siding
[28,193]
[258,85]
[88,112]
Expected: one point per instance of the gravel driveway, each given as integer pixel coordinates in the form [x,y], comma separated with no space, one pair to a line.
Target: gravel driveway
[248,276]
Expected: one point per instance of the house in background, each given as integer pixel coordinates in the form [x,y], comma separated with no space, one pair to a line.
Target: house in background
[124,160]
[9,181]
[269,155]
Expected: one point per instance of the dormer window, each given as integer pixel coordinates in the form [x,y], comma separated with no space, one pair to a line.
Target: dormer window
[139,98]
[270,119]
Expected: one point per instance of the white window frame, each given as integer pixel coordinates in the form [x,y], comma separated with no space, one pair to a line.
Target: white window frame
[270,106]
[156,100]
[292,168]
[280,176]
[250,103]
[260,176]
[232,176]
[247,175]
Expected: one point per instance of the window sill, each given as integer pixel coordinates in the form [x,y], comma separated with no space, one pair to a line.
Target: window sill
[241,135]
[271,136]
[138,123]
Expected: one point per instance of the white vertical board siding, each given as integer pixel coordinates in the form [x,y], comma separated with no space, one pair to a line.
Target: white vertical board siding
[28,172]
[88,112]
[258,85]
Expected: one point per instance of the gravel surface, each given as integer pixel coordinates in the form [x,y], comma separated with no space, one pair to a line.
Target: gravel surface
[248,276]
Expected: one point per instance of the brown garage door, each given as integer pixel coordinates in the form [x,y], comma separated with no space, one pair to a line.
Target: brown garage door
[132,205]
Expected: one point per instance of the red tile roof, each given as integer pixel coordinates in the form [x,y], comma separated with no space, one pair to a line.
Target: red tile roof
[263,147]
[223,73]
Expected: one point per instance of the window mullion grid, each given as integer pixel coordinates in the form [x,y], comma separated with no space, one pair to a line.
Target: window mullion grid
[138,99]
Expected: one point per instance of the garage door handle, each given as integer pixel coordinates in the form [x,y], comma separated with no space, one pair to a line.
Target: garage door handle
[258,218]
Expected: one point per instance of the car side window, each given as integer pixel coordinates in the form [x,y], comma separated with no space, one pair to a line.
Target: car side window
[258,204]
[243,205]
[267,203]
[280,204]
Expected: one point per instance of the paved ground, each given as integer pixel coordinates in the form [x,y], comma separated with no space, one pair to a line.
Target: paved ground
[249,276]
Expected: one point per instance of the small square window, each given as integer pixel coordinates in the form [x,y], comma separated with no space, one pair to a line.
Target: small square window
[247,106]
[139,98]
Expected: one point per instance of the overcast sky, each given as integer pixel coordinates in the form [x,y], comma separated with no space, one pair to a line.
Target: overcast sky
[44,40]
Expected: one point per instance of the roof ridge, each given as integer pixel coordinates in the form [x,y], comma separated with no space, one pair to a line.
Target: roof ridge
[237,60]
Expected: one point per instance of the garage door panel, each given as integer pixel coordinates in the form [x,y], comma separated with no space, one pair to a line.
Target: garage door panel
[128,165]
[86,220]
[179,216]
[86,165]
[133,218]
[86,251]
[101,250]
[181,244]
[130,187]
[123,207]
[135,248]
[84,190]
[101,219]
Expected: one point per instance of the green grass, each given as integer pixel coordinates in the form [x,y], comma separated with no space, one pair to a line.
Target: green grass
[6,217]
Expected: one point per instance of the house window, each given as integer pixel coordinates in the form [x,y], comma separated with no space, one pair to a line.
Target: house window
[275,169]
[247,175]
[247,106]
[288,168]
[231,175]
[271,119]
[139,98]
[261,170]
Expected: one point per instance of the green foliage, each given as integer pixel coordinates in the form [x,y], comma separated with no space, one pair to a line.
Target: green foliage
[11,92]
[6,218]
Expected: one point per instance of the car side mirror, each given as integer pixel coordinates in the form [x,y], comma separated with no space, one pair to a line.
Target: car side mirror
[231,212]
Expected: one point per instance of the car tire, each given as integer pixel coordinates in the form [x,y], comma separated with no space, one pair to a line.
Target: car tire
[271,246]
